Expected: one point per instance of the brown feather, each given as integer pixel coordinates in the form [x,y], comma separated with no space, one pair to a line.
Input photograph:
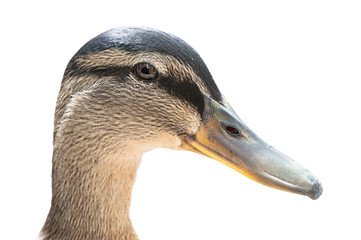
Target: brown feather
[102,128]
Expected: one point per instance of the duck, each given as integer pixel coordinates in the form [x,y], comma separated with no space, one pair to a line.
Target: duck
[128,91]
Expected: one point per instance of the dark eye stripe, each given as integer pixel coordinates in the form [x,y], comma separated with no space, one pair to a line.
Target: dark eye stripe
[136,40]
[185,90]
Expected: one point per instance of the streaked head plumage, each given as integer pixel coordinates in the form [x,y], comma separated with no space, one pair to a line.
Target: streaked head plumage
[102,75]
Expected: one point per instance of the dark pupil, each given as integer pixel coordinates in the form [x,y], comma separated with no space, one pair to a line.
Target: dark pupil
[145,70]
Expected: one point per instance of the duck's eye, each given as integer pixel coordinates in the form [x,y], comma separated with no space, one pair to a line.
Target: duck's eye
[145,71]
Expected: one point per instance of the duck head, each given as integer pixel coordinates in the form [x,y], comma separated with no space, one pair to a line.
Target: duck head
[130,90]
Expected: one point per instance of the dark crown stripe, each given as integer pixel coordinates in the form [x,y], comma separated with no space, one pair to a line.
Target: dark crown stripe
[149,40]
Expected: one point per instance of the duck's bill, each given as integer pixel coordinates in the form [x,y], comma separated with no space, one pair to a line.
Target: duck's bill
[224,137]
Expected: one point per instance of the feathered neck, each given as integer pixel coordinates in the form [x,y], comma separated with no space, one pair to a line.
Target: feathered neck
[92,180]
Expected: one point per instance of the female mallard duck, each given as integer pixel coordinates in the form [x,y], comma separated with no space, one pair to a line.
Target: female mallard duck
[128,91]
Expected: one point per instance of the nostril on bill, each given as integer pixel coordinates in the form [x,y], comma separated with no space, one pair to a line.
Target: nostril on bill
[232,130]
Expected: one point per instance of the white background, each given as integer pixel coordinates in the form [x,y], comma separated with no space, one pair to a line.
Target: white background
[291,70]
